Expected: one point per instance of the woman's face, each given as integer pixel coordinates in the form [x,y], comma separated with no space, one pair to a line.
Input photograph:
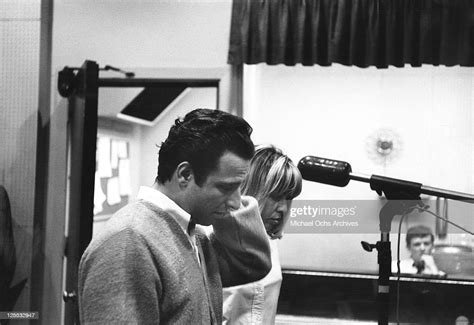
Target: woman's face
[275,214]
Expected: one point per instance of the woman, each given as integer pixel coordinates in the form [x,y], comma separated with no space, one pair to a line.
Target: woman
[274,181]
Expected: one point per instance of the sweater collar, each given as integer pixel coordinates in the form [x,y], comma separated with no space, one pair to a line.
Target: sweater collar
[165,203]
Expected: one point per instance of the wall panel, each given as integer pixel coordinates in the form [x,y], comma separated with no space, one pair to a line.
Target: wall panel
[19,66]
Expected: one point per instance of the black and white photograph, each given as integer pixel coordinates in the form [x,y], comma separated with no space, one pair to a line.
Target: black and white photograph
[237,162]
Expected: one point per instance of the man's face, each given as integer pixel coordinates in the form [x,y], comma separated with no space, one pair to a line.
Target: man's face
[420,246]
[220,191]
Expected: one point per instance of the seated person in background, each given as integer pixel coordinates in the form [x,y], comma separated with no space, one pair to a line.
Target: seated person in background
[419,241]
[274,181]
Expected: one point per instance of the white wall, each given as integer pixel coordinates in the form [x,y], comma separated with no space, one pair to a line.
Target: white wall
[334,112]
[151,34]
[133,33]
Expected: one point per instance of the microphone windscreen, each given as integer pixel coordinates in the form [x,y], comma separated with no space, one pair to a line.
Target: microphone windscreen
[326,171]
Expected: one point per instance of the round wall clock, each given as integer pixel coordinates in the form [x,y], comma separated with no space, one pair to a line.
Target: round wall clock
[383,146]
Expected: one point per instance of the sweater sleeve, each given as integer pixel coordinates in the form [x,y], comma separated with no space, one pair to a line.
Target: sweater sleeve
[114,282]
[242,245]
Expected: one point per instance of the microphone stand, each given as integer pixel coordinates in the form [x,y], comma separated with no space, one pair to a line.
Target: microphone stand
[402,197]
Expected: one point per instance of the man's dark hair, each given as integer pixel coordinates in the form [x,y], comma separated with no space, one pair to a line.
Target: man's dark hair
[201,138]
[418,231]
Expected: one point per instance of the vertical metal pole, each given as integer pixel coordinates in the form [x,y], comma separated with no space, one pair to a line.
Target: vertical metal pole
[383,292]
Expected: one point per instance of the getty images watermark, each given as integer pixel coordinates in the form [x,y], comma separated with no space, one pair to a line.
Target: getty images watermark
[324,216]
[347,216]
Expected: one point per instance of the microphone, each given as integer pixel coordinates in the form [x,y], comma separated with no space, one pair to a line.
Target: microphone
[326,171]
[339,173]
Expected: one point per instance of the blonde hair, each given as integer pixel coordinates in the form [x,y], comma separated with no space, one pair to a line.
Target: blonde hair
[271,175]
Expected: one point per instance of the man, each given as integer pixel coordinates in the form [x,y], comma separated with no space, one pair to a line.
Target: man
[419,240]
[151,265]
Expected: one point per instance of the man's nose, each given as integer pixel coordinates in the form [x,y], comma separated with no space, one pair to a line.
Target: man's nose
[234,200]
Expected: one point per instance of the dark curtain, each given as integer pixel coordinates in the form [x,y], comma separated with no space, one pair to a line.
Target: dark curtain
[353,32]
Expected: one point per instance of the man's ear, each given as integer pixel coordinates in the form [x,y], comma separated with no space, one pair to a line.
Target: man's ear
[184,173]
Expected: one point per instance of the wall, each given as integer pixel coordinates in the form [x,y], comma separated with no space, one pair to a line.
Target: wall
[142,33]
[145,34]
[151,34]
[19,74]
[335,112]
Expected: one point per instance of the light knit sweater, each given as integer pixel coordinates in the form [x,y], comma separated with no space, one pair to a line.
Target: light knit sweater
[142,268]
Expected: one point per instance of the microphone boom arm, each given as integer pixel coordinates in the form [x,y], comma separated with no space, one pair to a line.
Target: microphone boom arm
[339,173]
